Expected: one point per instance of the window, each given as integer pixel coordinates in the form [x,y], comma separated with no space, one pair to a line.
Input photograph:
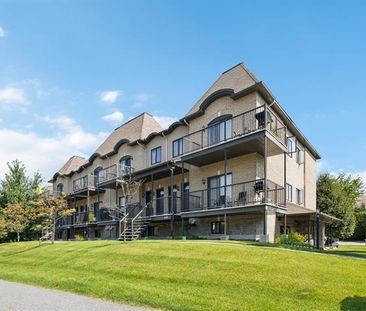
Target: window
[290,144]
[96,175]
[298,155]
[217,227]
[156,155]
[125,165]
[60,188]
[219,130]
[289,192]
[299,196]
[177,147]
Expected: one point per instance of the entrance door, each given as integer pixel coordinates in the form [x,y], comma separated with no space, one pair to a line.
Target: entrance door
[148,198]
[172,208]
[216,191]
[160,201]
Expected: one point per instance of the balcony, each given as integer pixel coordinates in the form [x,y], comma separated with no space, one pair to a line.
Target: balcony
[107,177]
[89,218]
[83,184]
[238,135]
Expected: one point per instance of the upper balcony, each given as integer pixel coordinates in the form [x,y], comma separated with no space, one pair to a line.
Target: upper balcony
[108,176]
[238,135]
[83,184]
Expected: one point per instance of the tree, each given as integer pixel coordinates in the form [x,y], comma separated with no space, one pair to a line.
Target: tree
[49,209]
[17,187]
[337,196]
[16,218]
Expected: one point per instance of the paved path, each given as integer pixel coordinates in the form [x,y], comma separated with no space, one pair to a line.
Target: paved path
[19,297]
[351,243]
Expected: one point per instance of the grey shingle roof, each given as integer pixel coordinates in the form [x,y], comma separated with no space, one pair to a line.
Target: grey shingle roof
[237,78]
[71,165]
[136,129]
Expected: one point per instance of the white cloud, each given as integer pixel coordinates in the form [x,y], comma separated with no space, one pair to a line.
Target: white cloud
[70,133]
[115,117]
[141,99]
[165,121]
[110,97]
[12,97]
[46,155]
[2,32]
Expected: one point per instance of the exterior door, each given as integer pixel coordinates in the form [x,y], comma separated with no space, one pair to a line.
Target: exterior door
[218,194]
[172,199]
[160,201]
[148,198]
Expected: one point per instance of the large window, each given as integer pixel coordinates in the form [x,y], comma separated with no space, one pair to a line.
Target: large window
[299,196]
[290,146]
[126,165]
[60,188]
[219,130]
[289,192]
[156,155]
[298,155]
[177,147]
[96,175]
[217,227]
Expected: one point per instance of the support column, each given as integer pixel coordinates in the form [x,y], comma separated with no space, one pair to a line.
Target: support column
[265,168]
[182,189]
[225,183]
[171,203]
[285,177]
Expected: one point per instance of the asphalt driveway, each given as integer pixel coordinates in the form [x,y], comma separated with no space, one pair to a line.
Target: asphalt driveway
[20,297]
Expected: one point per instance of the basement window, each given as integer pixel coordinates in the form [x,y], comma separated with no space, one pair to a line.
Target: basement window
[217,227]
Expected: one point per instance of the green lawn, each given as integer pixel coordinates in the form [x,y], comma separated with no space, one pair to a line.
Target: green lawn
[192,275]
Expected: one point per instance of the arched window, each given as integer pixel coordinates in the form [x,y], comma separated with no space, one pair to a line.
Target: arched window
[125,164]
[96,175]
[60,188]
[220,129]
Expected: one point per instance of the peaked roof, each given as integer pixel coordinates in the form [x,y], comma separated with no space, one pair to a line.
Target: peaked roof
[137,128]
[72,164]
[237,78]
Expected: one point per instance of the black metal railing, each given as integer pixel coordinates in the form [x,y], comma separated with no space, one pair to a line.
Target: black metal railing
[83,183]
[240,194]
[235,127]
[114,171]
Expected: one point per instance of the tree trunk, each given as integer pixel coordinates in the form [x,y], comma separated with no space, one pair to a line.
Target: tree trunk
[18,236]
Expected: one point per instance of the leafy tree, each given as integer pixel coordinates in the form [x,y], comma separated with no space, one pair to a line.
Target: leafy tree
[49,209]
[16,218]
[337,196]
[17,187]
[3,232]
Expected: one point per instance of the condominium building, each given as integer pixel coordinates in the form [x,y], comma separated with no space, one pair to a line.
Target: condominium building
[234,167]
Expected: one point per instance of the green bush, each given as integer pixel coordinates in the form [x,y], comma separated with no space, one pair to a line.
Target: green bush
[294,238]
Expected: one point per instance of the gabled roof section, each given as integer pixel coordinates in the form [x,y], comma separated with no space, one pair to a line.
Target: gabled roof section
[135,129]
[237,78]
[72,165]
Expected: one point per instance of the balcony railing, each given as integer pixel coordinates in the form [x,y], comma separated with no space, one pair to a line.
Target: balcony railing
[164,206]
[114,171]
[102,214]
[235,127]
[241,194]
[83,183]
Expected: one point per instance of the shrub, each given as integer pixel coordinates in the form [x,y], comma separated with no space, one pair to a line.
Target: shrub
[79,237]
[294,238]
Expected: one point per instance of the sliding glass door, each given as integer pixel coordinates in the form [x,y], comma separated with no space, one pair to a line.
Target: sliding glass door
[218,194]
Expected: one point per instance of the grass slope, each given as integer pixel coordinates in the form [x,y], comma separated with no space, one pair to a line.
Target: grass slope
[191,275]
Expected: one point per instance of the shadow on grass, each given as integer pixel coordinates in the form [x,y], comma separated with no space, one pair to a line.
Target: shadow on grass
[22,251]
[353,303]
[360,254]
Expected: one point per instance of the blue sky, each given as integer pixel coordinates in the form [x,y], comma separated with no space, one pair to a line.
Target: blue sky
[70,71]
